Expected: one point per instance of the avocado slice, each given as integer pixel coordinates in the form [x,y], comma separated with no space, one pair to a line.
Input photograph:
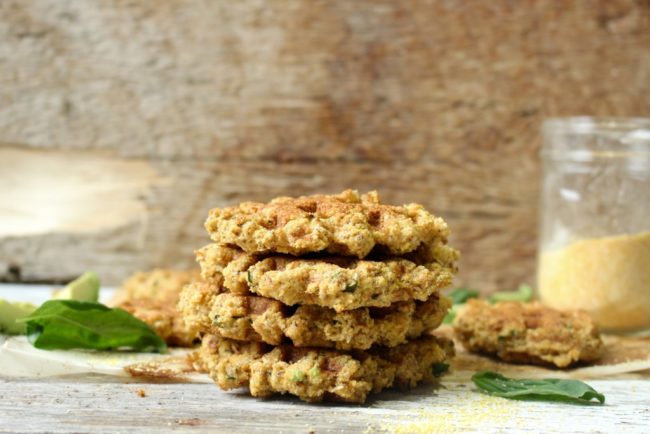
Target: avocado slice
[10,312]
[83,288]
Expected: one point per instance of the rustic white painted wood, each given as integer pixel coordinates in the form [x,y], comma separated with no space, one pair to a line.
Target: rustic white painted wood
[103,404]
[100,404]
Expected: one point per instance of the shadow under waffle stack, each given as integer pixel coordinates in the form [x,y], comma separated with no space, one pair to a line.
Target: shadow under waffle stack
[322,297]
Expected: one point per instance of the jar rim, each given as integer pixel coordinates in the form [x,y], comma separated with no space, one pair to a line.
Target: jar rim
[589,125]
[585,138]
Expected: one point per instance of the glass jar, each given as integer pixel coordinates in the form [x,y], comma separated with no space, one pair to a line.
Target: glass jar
[594,245]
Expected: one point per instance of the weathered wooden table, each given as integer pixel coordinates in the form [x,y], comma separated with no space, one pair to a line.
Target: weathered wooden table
[93,403]
[97,404]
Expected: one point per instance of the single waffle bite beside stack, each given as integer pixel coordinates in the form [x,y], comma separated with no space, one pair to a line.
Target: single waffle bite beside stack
[323,297]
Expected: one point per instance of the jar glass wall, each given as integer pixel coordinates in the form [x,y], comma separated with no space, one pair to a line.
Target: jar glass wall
[594,248]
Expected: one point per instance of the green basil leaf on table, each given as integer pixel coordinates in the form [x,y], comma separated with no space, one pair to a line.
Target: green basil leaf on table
[451,314]
[439,368]
[66,324]
[458,297]
[549,389]
[523,293]
[461,295]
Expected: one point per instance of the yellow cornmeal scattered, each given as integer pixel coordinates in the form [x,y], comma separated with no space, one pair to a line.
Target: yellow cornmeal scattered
[469,411]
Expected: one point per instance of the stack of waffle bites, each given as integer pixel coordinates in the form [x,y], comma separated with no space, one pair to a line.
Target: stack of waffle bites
[323,297]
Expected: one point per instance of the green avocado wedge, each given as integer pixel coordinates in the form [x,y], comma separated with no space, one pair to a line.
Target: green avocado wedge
[83,288]
[10,312]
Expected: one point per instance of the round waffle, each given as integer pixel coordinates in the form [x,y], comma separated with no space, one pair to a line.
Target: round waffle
[341,283]
[315,374]
[261,319]
[345,224]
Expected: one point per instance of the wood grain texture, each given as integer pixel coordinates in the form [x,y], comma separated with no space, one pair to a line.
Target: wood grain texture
[99,405]
[426,100]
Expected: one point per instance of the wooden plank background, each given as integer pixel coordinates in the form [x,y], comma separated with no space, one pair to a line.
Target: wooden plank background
[162,110]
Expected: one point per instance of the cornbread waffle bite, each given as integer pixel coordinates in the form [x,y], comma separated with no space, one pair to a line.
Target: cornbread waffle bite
[260,319]
[315,374]
[528,333]
[341,283]
[152,297]
[346,224]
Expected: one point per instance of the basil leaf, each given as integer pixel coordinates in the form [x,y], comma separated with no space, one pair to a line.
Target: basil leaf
[458,297]
[461,295]
[451,314]
[351,287]
[65,324]
[523,293]
[439,368]
[549,389]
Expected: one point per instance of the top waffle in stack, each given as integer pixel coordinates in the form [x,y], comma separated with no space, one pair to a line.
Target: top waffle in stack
[346,224]
[341,272]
